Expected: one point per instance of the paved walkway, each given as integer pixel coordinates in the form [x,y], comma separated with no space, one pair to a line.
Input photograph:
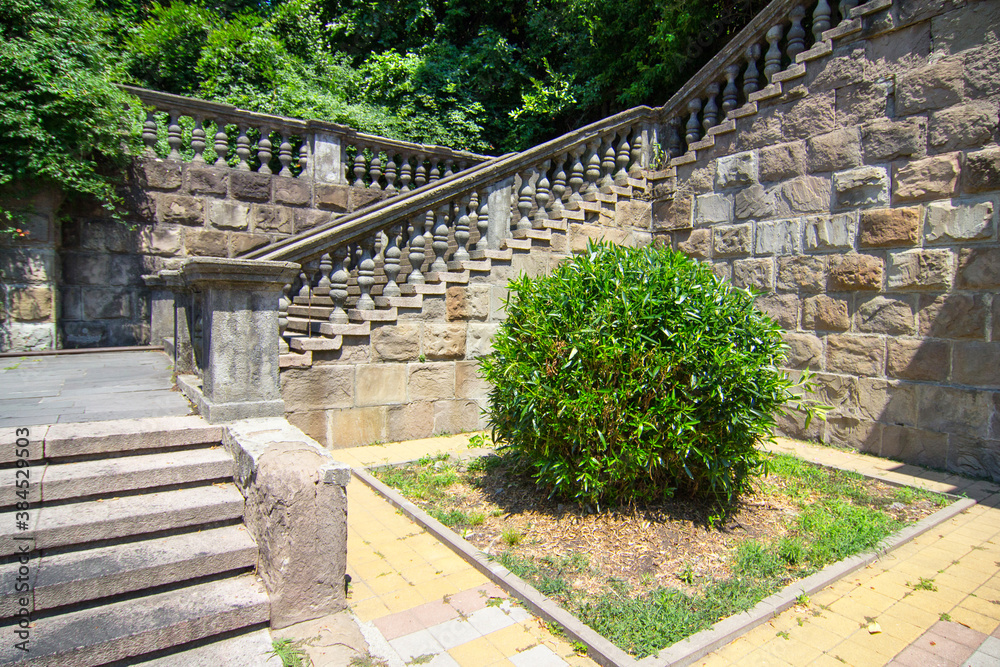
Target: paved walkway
[95,386]
[425,601]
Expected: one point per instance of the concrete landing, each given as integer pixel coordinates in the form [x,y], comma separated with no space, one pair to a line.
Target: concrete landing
[87,387]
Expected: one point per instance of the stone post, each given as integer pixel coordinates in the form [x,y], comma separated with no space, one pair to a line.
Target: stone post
[240,336]
[498,196]
[328,158]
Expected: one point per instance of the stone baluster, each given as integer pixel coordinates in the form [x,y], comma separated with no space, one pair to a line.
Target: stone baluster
[435,173]
[674,148]
[283,303]
[730,93]
[821,19]
[174,135]
[525,197]
[325,267]
[796,33]
[440,242]
[391,261]
[338,284]
[543,193]
[421,174]
[303,156]
[305,291]
[221,142]
[576,177]
[285,155]
[360,167]
[635,154]
[149,134]
[622,159]
[198,141]
[462,231]
[483,221]
[558,187]
[608,155]
[711,113]
[264,151]
[405,173]
[390,173]
[448,168]
[772,59]
[751,76]
[416,255]
[845,9]
[366,274]
[693,125]
[243,149]
[375,170]
[593,172]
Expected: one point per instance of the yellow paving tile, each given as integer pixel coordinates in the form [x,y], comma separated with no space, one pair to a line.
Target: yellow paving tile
[837,624]
[465,579]
[817,636]
[989,606]
[792,650]
[857,655]
[477,652]
[512,639]
[984,624]
[761,658]
[370,609]
[826,660]
[402,599]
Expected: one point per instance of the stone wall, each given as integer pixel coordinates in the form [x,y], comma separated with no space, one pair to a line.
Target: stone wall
[177,210]
[861,199]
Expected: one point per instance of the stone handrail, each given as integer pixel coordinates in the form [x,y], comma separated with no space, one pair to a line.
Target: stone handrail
[329,152]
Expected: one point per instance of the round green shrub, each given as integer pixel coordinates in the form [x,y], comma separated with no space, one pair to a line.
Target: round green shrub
[634,374]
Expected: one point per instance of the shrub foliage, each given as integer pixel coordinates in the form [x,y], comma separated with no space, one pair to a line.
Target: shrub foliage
[636,374]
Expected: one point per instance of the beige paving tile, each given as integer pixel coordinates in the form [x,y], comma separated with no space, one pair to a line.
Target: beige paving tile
[477,652]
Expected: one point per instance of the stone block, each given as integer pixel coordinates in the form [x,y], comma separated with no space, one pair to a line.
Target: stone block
[954,315]
[963,126]
[834,151]
[806,194]
[358,426]
[180,210]
[970,26]
[227,215]
[885,139]
[885,315]
[801,273]
[778,237]
[431,381]
[889,402]
[332,197]
[27,265]
[847,273]
[757,202]
[107,236]
[72,304]
[887,227]
[291,191]
[399,342]
[956,221]
[107,304]
[792,424]
[920,269]
[736,170]
[842,68]
[976,363]
[29,304]
[249,186]
[952,410]
[160,174]
[930,178]
[358,198]
[978,268]
[732,240]
[207,180]
[240,243]
[80,334]
[763,129]
[809,116]
[272,219]
[896,51]
[826,313]
[713,208]
[722,270]
[923,360]
[974,456]
[81,269]
[670,214]
[579,236]
[467,302]
[160,240]
[380,384]
[306,219]
[695,243]
[468,382]
[916,446]
[432,308]
[457,416]
[782,308]
[855,355]
[126,270]
[479,342]
[206,243]
[410,421]
[996,320]
[853,433]
[444,341]
[698,176]
[861,187]
[320,387]
[633,213]
[860,102]
[982,70]
[938,85]
[981,172]
[805,351]
[824,233]
[313,424]
[783,161]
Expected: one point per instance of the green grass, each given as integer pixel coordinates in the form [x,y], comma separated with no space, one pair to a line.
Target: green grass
[457,518]
[547,574]
[290,653]
[428,480]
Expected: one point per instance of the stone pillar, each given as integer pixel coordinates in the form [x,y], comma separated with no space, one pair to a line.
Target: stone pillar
[499,212]
[29,275]
[328,158]
[240,336]
[161,310]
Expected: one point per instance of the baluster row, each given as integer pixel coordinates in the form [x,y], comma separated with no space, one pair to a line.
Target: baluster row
[394,171]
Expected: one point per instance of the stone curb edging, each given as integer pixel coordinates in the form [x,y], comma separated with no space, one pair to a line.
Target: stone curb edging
[687,650]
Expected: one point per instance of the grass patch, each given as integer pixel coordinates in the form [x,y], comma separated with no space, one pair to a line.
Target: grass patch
[290,653]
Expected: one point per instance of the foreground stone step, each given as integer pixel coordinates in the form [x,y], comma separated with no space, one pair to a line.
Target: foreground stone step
[93,520]
[61,481]
[135,627]
[248,649]
[78,576]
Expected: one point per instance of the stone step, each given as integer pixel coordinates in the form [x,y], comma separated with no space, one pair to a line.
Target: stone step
[105,519]
[492,255]
[129,628]
[377,315]
[313,312]
[446,277]
[62,481]
[315,343]
[345,329]
[78,576]
[517,244]
[412,301]
[246,649]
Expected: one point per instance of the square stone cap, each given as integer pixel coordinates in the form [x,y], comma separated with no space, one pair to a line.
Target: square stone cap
[242,273]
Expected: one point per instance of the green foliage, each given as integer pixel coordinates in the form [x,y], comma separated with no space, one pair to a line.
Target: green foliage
[834,529]
[289,653]
[634,374]
[62,120]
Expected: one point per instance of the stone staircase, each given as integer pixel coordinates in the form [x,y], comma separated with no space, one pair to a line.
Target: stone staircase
[136,545]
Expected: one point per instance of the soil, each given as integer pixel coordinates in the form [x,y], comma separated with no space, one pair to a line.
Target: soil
[669,544]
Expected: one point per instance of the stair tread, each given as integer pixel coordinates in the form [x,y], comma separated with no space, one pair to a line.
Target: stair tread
[84,438]
[251,649]
[71,577]
[82,522]
[120,630]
